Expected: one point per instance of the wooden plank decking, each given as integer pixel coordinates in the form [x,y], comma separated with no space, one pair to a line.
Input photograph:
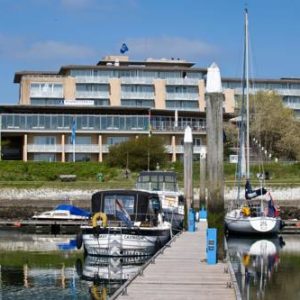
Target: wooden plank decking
[181,272]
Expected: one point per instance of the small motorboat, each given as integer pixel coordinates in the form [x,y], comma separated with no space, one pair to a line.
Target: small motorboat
[164,183]
[64,212]
[124,223]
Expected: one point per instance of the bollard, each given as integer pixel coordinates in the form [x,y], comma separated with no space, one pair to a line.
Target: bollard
[191,220]
[211,246]
[203,215]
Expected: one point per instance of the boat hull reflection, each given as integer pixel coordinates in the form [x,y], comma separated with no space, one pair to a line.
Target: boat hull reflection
[254,261]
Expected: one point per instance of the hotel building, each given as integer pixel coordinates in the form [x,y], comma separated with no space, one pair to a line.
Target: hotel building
[112,102]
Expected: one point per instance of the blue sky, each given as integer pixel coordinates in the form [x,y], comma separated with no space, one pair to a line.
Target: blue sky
[43,35]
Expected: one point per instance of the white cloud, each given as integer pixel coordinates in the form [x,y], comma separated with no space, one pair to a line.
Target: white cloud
[177,47]
[19,48]
[54,49]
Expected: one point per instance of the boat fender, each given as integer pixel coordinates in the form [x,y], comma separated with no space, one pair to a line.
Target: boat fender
[99,216]
[79,240]
[246,211]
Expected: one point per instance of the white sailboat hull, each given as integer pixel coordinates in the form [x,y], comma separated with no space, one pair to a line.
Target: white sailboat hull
[237,223]
[126,243]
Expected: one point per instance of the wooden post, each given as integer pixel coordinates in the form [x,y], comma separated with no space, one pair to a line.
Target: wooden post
[214,118]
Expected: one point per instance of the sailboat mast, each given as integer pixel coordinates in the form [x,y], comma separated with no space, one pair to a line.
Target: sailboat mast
[247,98]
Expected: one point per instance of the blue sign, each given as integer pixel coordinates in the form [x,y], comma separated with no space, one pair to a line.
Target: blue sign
[211,246]
[191,220]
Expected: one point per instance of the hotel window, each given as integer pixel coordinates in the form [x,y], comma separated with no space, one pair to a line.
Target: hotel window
[44,140]
[114,140]
[81,140]
[46,88]
[44,157]
[137,103]
[78,157]
[80,87]
[182,104]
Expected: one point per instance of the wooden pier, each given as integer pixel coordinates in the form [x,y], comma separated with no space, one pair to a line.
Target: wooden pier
[181,272]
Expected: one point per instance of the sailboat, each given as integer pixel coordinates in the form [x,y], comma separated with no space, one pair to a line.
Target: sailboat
[250,216]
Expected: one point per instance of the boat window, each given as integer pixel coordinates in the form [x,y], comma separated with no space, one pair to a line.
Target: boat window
[169,178]
[60,214]
[155,204]
[127,201]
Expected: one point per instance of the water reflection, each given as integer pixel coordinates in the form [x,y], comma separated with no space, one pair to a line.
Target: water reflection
[254,262]
[106,274]
[50,267]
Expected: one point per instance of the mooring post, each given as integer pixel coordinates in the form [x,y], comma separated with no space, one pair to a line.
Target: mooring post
[214,118]
[188,168]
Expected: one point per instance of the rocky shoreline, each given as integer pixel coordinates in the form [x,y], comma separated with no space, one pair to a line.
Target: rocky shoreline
[23,203]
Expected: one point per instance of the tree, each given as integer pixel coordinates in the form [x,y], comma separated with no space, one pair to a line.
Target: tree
[138,154]
[231,136]
[274,125]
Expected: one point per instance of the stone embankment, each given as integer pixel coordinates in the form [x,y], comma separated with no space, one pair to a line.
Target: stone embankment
[26,202]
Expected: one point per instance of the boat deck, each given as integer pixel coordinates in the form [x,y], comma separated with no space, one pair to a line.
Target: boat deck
[181,272]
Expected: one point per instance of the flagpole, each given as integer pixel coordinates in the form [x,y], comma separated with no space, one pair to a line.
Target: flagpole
[73,137]
[73,150]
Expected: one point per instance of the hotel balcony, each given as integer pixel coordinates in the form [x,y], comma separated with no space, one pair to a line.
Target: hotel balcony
[283,92]
[44,148]
[92,94]
[92,79]
[137,95]
[292,105]
[182,81]
[90,148]
[182,96]
[137,80]
[95,148]
[46,94]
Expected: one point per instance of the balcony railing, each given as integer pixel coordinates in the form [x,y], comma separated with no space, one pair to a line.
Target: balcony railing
[90,148]
[92,79]
[292,105]
[92,94]
[95,148]
[46,94]
[182,96]
[137,95]
[282,92]
[136,80]
[182,81]
[44,148]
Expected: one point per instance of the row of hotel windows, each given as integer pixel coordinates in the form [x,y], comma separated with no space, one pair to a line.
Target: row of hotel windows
[136,74]
[80,140]
[262,85]
[41,88]
[172,104]
[87,140]
[97,122]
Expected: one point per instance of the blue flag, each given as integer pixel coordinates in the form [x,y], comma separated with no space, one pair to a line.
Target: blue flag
[124,48]
[73,135]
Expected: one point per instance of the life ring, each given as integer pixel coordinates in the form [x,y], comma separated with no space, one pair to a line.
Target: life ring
[97,217]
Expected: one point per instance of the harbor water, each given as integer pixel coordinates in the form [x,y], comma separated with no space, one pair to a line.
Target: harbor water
[266,268]
[35,266]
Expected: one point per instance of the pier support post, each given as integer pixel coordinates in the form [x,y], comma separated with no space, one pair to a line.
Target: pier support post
[214,118]
[202,178]
[188,169]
